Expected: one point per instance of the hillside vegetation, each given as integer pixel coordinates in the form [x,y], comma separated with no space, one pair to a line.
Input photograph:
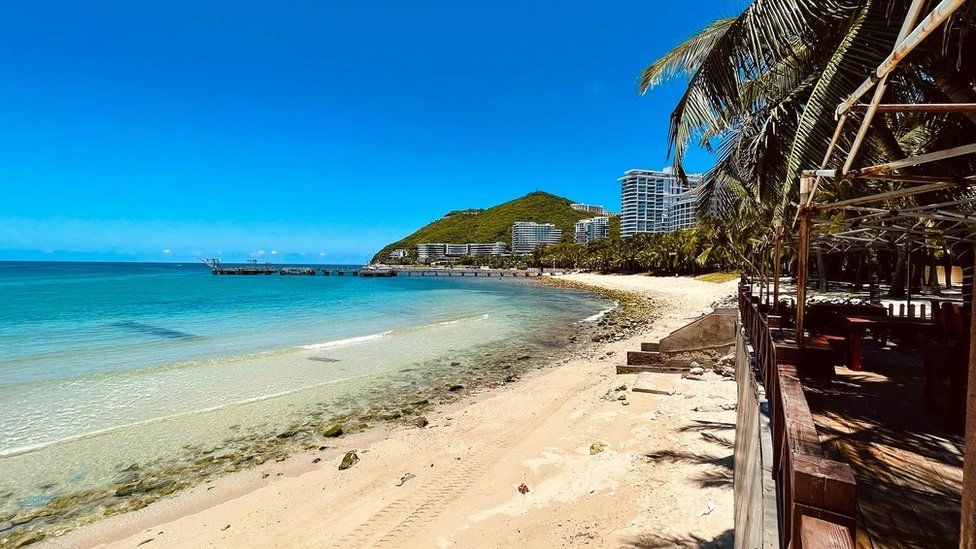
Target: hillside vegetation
[493,224]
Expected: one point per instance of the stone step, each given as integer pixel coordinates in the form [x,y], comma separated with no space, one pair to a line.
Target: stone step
[654,346]
[640,358]
[658,368]
[647,382]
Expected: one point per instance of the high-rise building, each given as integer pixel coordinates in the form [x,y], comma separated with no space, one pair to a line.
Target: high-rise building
[528,235]
[655,201]
[588,230]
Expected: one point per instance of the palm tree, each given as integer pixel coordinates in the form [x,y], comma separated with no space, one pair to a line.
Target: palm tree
[762,89]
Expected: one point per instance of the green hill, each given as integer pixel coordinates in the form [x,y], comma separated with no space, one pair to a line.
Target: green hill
[493,224]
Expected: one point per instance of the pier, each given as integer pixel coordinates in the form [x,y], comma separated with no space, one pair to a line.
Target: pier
[253,268]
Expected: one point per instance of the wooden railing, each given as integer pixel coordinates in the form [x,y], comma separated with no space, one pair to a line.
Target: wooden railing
[809,485]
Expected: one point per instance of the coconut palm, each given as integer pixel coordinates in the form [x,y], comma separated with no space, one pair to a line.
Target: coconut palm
[762,88]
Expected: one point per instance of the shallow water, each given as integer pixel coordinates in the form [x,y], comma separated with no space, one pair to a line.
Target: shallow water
[108,369]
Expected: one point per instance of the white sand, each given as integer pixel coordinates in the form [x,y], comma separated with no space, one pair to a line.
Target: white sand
[467,464]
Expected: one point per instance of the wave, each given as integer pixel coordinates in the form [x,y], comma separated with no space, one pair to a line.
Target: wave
[345,342]
[372,337]
[601,314]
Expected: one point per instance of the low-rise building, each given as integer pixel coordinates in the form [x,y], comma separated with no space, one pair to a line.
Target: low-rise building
[441,250]
[429,251]
[455,250]
[398,253]
[528,235]
[487,248]
[588,230]
[589,208]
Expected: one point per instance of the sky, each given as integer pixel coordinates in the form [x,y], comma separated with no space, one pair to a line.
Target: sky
[315,131]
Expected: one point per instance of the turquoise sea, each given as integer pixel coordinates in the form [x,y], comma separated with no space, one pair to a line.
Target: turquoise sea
[109,367]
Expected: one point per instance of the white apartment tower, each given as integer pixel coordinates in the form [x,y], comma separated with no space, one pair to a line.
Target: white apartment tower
[655,201]
[588,230]
[527,235]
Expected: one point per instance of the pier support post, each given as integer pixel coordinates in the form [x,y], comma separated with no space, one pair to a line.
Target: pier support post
[967,530]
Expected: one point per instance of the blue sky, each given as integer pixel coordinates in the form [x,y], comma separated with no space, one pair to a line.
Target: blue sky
[314,131]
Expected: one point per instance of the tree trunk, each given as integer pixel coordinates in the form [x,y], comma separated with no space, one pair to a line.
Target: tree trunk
[947,267]
[915,276]
[859,272]
[934,275]
[964,257]
[821,272]
[898,276]
[874,293]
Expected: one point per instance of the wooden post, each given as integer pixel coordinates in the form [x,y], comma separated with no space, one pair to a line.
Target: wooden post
[908,273]
[967,531]
[802,255]
[777,260]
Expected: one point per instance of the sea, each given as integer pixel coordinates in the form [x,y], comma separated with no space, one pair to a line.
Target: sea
[117,374]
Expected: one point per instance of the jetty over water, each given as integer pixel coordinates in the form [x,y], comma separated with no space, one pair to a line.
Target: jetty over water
[253,268]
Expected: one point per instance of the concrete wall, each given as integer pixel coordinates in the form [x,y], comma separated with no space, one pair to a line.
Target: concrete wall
[716,329]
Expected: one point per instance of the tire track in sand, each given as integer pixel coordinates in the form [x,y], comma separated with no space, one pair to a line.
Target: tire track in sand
[399,521]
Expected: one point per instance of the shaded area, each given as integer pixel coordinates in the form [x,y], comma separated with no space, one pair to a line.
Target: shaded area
[721,466]
[651,541]
[908,468]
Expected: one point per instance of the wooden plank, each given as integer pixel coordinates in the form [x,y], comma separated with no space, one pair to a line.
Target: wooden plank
[820,534]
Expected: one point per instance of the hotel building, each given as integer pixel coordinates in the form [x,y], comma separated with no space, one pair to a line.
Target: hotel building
[528,235]
[440,250]
[588,208]
[654,201]
[588,230]
[487,248]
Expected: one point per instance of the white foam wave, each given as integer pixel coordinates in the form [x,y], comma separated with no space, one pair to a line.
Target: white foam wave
[345,342]
[601,314]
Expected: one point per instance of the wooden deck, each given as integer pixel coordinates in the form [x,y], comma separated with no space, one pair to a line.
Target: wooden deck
[908,468]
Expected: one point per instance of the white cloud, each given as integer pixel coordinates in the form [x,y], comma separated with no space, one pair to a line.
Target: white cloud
[274,252]
[258,253]
[321,254]
[167,251]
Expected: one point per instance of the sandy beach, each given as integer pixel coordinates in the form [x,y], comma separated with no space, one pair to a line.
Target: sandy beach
[663,477]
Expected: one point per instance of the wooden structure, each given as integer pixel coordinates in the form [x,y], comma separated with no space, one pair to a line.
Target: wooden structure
[808,483]
[921,202]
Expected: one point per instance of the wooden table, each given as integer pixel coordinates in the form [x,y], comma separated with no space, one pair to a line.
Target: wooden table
[857,325]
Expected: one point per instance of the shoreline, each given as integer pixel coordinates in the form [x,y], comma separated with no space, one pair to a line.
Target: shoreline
[140,483]
[218,491]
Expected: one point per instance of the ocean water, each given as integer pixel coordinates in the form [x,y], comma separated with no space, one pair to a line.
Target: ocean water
[120,367]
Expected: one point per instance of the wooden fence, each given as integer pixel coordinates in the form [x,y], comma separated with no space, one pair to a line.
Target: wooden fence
[816,496]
